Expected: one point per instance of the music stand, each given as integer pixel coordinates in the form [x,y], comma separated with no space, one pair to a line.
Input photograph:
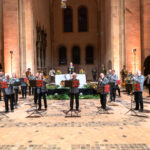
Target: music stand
[75,111]
[3,114]
[130,88]
[32,83]
[68,83]
[38,84]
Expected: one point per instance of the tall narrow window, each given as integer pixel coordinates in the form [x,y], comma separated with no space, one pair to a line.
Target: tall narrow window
[82,19]
[76,55]
[62,56]
[68,20]
[89,55]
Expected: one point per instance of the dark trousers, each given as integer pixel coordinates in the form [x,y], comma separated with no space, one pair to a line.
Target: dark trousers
[138,100]
[118,89]
[72,100]
[149,89]
[44,98]
[103,100]
[30,90]
[112,93]
[16,96]
[24,91]
[9,98]
[35,95]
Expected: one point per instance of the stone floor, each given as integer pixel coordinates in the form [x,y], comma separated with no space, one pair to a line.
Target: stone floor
[93,130]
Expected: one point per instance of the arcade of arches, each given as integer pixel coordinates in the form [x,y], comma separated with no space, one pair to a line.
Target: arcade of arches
[88,32]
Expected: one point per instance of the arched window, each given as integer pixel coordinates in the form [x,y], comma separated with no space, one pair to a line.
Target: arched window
[62,55]
[68,20]
[76,55]
[89,55]
[82,19]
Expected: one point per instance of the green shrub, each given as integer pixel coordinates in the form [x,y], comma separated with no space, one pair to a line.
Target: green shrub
[66,97]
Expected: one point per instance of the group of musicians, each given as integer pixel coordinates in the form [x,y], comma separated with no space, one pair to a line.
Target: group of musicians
[111,79]
[10,92]
[10,89]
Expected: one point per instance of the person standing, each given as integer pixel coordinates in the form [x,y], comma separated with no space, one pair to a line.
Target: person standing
[113,81]
[24,88]
[35,89]
[148,83]
[74,92]
[102,82]
[16,89]
[139,79]
[28,74]
[71,68]
[8,93]
[41,92]
[109,74]
[1,79]
[52,75]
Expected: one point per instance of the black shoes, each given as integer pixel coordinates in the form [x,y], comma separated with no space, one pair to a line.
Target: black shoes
[141,110]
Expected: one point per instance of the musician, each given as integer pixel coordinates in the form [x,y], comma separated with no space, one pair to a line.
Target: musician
[74,92]
[35,88]
[41,92]
[102,82]
[24,88]
[71,68]
[28,74]
[30,77]
[1,79]
[52,73]
[148,83]
[113,80]
[8,93]
[139,78]
[16,88]
[118,89]
[130,77]
[109,74]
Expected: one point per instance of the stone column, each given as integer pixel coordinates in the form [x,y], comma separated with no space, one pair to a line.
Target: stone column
[1,33]
[30,46]
[133,35]
[115,35]
[11,35]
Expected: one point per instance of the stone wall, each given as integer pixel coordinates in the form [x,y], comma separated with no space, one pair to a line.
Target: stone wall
[11,36]
[133,34]
[81,39]
[41,16]
[1,32]
[145,23]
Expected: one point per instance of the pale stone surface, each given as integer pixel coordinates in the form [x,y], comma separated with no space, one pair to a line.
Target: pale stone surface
[91,131]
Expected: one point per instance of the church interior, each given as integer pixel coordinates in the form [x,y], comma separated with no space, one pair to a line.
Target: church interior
[89,33]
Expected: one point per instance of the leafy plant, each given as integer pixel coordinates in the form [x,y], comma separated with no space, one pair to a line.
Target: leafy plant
[52,87]
[66,97]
